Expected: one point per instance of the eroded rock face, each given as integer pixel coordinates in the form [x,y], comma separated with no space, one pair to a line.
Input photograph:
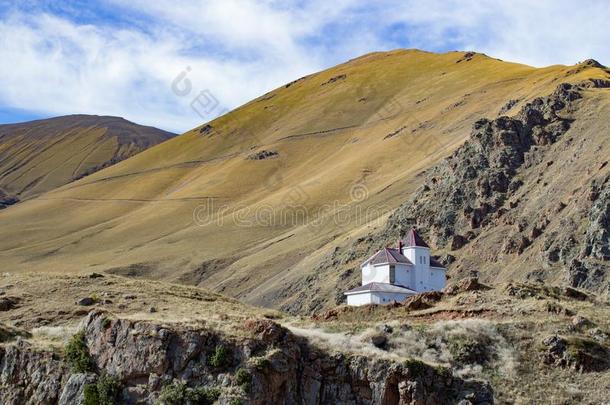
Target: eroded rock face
[284,369]
[467,189]
[72,392]
[581,354]
[29,376]
[473,201]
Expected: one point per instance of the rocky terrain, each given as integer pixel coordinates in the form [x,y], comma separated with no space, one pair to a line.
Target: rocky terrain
[486,209]
[497,180]
[502,167]
[111,340]
[532,343]
[94,356]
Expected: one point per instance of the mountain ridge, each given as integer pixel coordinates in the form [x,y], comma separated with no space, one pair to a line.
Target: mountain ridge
[325,140]
[38,156]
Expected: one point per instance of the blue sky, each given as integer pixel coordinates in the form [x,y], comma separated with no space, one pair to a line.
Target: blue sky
[138,58]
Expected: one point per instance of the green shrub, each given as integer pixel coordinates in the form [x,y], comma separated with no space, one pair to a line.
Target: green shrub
[244,379]
[178,393]
[236,401]
[173,394]
[443,372]
[104,392]
[77,354]
[108,388]
[203,395]
[220,358]
[90,395]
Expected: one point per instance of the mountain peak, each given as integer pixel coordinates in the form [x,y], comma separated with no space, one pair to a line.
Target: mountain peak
[592,63]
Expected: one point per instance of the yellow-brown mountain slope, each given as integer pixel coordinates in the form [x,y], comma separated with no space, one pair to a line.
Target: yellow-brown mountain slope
[41,155]
[250,203]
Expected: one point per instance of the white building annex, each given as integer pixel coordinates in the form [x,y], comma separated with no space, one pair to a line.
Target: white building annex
[394,274]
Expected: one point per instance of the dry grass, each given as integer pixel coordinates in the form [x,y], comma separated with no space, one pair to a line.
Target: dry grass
[141,210]
[56,316]
[504,347]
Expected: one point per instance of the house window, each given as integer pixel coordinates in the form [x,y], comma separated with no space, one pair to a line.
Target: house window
[392,274]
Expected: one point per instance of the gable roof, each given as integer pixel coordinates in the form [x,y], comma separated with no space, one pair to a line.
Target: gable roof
[388,255]
[381,287]
[412,239]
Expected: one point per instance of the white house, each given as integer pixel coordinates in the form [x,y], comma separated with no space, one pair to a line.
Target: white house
[393,274]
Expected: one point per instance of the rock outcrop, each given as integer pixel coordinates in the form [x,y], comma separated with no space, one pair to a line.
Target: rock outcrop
[280,367]
[30,376]
[467,190]
[580,354]
[490,194]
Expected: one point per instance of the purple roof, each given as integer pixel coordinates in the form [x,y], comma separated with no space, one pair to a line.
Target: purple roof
[413,239]
[388,255]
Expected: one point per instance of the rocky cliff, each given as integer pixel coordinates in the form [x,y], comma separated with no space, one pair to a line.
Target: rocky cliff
[529,193]
[526,197]
[130,362]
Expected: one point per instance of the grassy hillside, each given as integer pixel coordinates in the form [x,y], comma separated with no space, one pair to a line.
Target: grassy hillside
[39,156]
[252,202]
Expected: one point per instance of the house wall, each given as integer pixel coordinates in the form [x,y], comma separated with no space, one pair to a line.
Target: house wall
[386,298]
[420,257]
[381,298]
[405,275]
[438,279]
[377,274]
[359,299]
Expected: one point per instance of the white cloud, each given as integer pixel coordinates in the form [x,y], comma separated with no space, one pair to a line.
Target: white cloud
[538,33]
[54,63]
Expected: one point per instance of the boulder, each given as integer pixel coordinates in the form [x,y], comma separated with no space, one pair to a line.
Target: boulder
[86,301]
[265,329]
[8,303]
[423,300]
[379,340]
[575,294]
[580,322]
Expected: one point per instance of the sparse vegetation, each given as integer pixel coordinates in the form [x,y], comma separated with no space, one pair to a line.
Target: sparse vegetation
[77,354]
[511,339]
[220,358]
[468,350]
[244,379]
[8,333]
[260,363]
[178,393]
[104,392]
